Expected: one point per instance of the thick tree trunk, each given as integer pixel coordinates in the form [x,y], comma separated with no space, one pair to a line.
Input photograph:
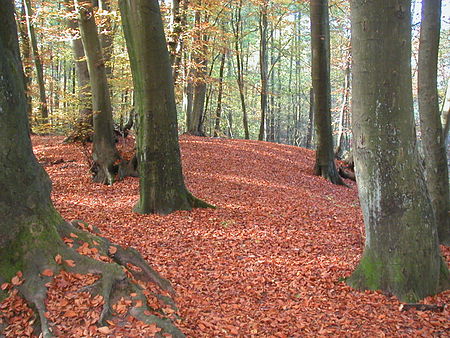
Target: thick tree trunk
[436,170]
[161,186]
[43,109]
[401,254]
[83,128]
[104,152]
[31,230]
[320,49]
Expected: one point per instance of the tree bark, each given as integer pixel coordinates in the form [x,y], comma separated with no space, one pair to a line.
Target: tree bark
[27,61]
[195,119]
[436,170]
[161,186]
[237,31]
[344,112]
[263,66]
[104,151]
[83,128]
[320,49]
[401,254]
[43,108]
[31,230]
[219,95]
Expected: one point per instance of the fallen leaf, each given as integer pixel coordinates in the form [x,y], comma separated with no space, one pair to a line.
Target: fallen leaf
[47,272]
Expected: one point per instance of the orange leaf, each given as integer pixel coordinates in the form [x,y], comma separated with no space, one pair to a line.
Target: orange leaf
[73,235]
[104,330]
[47,272]
[16,281]
[58,259]
[112,250]
[70,262]
[5,286]
[70,314]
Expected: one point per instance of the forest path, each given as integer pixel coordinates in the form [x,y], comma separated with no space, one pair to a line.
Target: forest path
[267,262]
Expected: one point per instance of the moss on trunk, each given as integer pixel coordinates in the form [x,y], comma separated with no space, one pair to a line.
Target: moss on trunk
[31,230]
[401,254]
[161,186]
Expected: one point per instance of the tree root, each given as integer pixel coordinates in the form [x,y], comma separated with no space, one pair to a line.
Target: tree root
[119,278]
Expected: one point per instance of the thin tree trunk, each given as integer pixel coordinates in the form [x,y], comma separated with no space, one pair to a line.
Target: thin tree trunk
[343,112]
[26,60]
[320,48]
[104,153]
[195,122]
[43,109]
[237,29]
[310,134]
[219,95]
[436,170]
[263,66]
[445,113]
[107,35]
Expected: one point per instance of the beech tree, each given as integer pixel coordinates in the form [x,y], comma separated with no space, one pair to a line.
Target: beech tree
[105,154]
[161,186]
[401,254]
[83,128]
[433,141]
[31,230]
[43,108]
[320,49]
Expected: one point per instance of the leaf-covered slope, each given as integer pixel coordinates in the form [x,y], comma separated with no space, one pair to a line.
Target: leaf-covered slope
[267,262]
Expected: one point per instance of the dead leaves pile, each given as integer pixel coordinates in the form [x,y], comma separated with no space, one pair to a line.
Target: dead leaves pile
[268,262]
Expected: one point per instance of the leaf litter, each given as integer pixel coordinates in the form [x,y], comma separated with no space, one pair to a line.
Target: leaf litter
[268,262]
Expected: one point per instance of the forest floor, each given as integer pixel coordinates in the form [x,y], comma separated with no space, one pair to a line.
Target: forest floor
[268,262]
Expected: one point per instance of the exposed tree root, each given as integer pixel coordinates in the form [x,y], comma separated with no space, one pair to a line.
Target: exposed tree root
[123,277]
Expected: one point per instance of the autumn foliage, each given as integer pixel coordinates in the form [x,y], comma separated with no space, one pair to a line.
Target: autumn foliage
[268,262]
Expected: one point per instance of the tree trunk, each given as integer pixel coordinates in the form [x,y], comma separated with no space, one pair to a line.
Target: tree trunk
[195,120]
[436,170]
[43,109]
[161,186]
[31,230]
[104,151]
[310,134]
[83,128]
[320,49]
[401,254]
[263,67]
[343,114]
[27,61]
[237,30]
[177,27]
[219,95]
